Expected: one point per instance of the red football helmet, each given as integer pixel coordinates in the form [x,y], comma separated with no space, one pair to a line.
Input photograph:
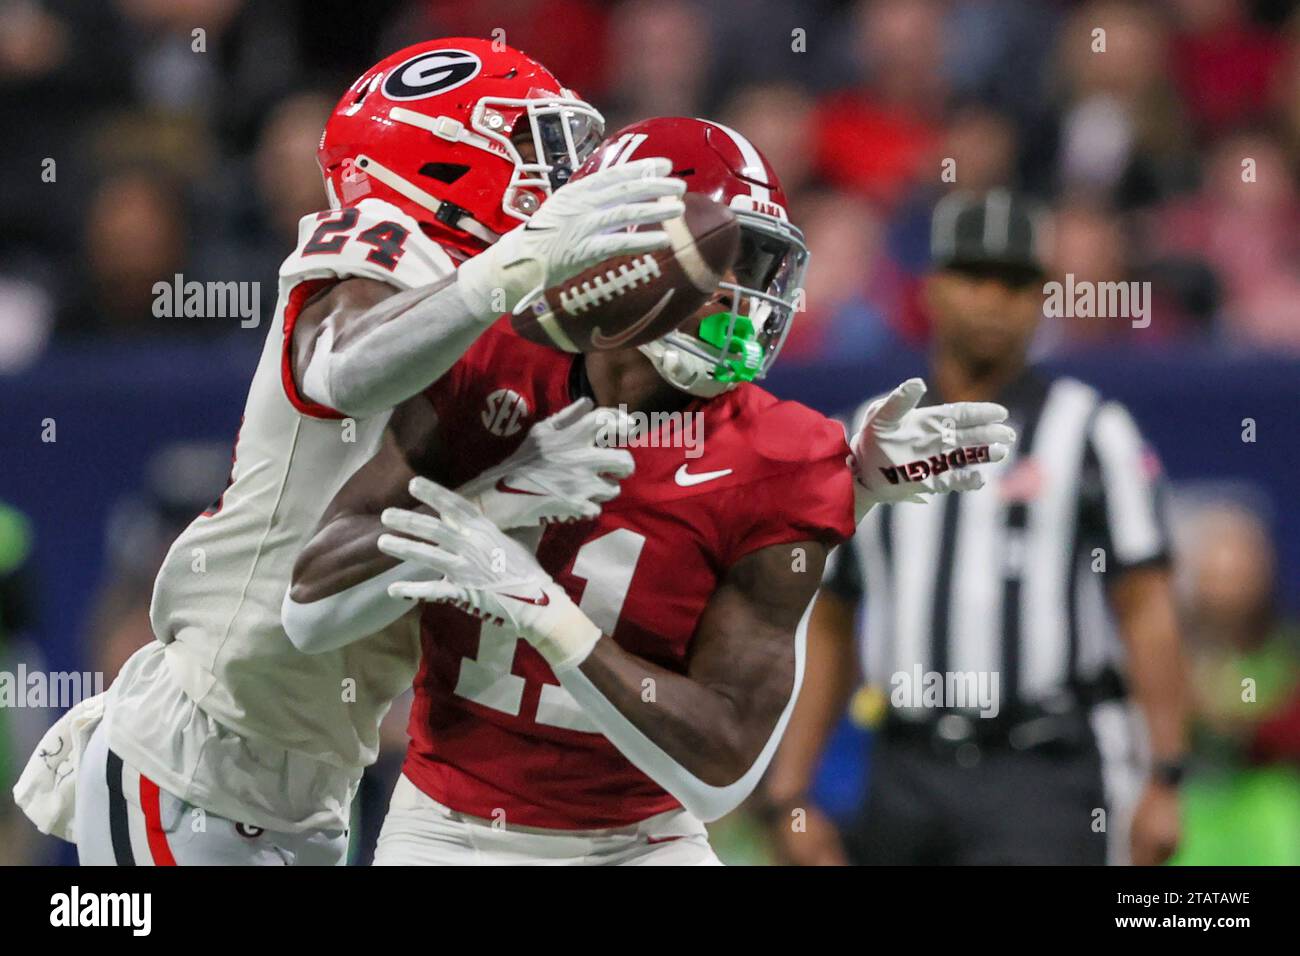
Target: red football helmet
[466,135]
[747,322]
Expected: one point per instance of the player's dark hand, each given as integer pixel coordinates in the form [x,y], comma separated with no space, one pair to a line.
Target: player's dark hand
[1156,827]
[805,836]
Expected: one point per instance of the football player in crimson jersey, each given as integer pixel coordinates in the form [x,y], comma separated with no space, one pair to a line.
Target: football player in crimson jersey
[432,159]
[593,691]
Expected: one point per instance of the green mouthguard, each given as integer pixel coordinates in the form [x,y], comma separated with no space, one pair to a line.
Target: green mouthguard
[742,355]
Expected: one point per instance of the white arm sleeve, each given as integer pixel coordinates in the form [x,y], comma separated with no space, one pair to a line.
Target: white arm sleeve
[348,616]
[410,340]
[701,799]
[403,343]
[360,611]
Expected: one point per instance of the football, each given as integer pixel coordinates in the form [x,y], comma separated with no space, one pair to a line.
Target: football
[630,300]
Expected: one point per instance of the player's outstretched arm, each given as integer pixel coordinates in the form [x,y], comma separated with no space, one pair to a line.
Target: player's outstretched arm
[708,736]
[339,593]
[361,348]
[705,736]
[901,452]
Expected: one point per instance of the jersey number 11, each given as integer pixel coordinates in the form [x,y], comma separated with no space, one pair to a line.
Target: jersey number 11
[607,563]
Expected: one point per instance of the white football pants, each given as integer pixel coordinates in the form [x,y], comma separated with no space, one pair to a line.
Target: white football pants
[420,831]
[125,819]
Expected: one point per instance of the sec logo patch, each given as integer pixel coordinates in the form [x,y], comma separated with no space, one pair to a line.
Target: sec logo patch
[505,412]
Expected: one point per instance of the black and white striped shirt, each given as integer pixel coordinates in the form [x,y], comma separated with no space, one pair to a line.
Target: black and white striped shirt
[1010,580]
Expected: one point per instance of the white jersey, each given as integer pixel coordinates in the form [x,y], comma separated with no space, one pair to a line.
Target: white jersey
[216,602]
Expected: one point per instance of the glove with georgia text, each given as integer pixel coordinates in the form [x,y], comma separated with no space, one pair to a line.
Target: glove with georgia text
[902,451]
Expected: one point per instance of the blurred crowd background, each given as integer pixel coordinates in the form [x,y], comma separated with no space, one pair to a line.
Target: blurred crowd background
[168,159]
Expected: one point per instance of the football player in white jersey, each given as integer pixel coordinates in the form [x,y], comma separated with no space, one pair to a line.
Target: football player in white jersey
[220,742]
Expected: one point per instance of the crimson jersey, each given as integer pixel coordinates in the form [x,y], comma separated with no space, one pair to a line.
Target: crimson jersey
[491,728]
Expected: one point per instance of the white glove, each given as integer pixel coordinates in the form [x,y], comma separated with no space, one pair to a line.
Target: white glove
[486,573]
[902,450]
[582,223]
[559,473]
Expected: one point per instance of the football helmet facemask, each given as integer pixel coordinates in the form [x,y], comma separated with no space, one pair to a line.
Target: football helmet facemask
[741,331]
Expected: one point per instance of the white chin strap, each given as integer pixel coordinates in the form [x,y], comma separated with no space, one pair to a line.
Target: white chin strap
[683,371]
[415,194]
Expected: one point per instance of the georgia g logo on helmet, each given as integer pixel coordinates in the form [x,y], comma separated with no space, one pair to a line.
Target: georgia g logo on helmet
[431,73]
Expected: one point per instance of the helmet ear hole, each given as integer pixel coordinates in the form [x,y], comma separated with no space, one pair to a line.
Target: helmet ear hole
[444,172]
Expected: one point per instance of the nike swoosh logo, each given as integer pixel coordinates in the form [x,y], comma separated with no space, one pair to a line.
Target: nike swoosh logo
[686,479]
[507,490]
[542,601]
[529,227]
[602,341]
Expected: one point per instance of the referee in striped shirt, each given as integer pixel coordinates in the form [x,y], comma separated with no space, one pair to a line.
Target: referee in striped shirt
[1002,632]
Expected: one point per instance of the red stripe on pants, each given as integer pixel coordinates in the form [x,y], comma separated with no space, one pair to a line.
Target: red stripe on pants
[151,803]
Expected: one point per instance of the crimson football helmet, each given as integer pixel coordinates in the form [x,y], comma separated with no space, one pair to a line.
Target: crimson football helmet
[747,321]
[467,136]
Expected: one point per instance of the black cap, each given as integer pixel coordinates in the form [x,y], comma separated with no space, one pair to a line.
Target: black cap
[996,229]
